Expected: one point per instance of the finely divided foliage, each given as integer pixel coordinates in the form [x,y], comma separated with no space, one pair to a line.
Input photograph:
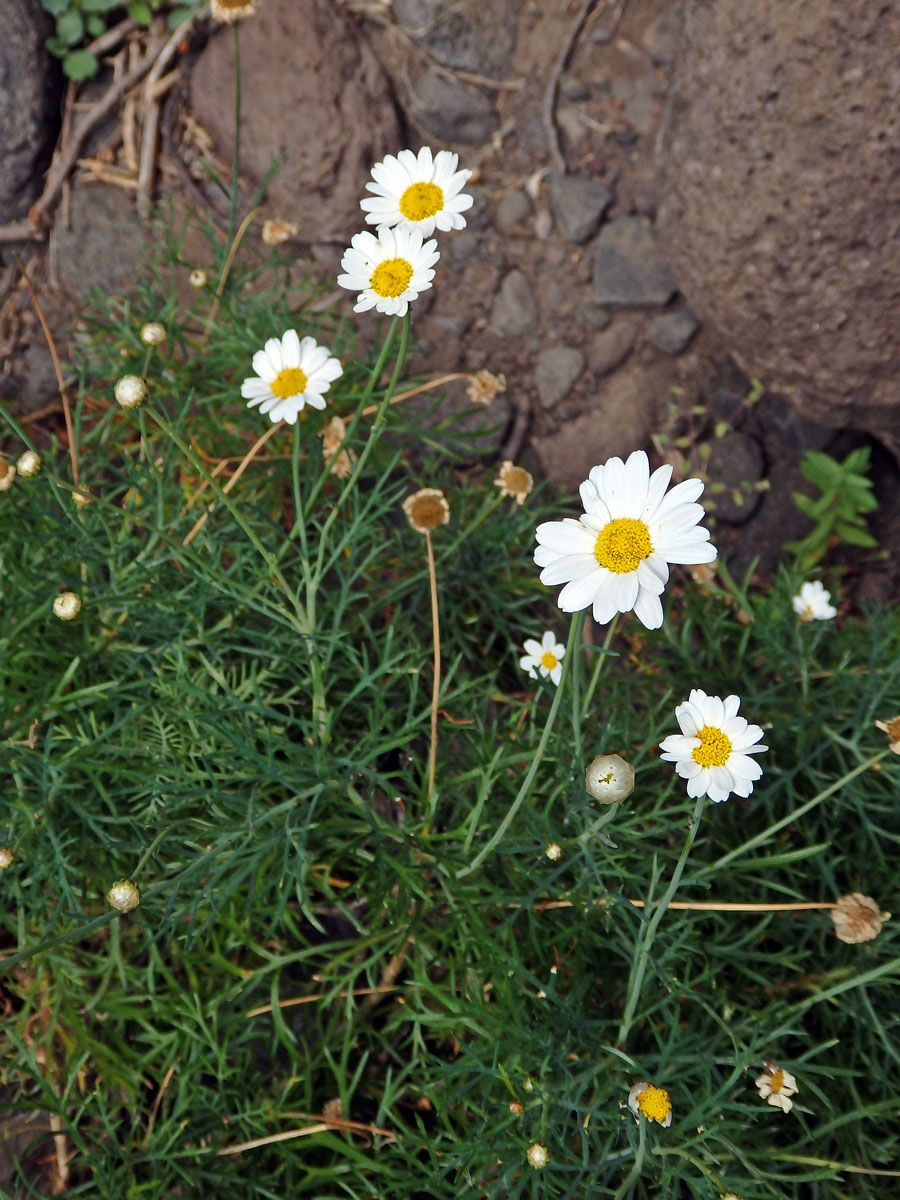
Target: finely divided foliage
[250,948]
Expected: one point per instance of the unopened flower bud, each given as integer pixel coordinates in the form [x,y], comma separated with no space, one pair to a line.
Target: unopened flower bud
[131,391]
[67,606]
[537,1155]
[153,334]
[28,464]
[609,778]
[6,857]
[124,895]
[515,1107]
[198,278]
[554,851]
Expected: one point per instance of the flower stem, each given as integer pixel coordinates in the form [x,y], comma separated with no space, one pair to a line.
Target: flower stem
[636,1167]
[598,665]
[524,790]
[639,968]
[236,166]
[436,686]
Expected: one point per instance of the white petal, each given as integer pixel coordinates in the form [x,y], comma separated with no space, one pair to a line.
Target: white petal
[264,368]
[533,647]
[581,592]
[648,609]
[290,348]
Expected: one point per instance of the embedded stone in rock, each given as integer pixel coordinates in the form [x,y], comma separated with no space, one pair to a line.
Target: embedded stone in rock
[308,74]
[630,269]
[513,209]
[778,201]
[611,346]
[736,461]
[578,203]
[467,34]
[452,111]
[672,332]
[515,308]
[30,84]
[556,370]
[103,243]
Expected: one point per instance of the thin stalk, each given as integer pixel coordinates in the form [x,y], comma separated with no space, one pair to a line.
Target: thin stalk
[634,1174]
[524,790]
[436,685]
[598,665]
[636,980]
[236,166]
[147,853]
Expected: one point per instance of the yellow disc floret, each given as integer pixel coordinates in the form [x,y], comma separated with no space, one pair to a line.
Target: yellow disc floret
[549,660]
[714,749]
[391,278]
[654,1103]
[777,1080]
[289,382]
[622,545]
[421,200]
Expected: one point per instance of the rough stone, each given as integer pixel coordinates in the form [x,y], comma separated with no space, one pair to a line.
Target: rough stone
[103,244]
[327,75]
[515,309]
[672,331]
[662,37]
[630,269]
[29,104]
[572,88]
[465,34]
[578,203]
[640,97]
[595,317]
[452,111]
[555,372]
[779,200]
[512,210]
[737,462]
[611,346]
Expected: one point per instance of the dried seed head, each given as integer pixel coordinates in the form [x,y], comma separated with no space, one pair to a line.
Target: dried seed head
[131,391]
[7,475]
[67,606]
[231,10]
[483,387]
[198,278]
[6,857]
[538,1156]
[514,481]
[28,464]
[153,334]
[275,231]
[609,778]
[857,918]
[892,729]
[426,509]
[340,461]
[124,895]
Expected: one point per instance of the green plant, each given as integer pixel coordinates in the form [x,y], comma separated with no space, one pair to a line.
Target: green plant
[846,494]
[80,21]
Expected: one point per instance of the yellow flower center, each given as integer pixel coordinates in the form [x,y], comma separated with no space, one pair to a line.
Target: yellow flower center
[391,278]
[622,545]
[289,382]
[654,1103]
[549,660]
[714,749]
[777,1081]
[421,200]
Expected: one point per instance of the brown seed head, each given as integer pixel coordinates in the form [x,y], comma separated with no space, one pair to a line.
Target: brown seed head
[857,918]
[514,481]
[426,509]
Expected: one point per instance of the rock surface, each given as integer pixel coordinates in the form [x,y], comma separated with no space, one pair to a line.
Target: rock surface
[779,200]
[103,243]
[515,308]
[556,370]
[322,77]
[30,84]
[630,269]
[578,203]
[736,462]
[672,331]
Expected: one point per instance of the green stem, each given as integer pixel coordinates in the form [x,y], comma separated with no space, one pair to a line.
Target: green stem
[573,639]
[598,665]
[637,1166]
[236,167]
[150,849]
[636,980]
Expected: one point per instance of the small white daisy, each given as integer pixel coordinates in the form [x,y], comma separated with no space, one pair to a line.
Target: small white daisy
[713,750]
[292,372]
[814,603]
[777,1086]
[616,556]
[388,268]
[647,1100]
[421,192]
[543,658]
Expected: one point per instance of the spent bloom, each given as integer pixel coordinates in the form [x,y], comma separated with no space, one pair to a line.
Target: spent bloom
[7,475]
[538,1156]
[514,481]
[892,729]
[28,464]
[713,750]
[426,509]
[651,1102]
[7,858]
[83,495]
[67,606]
[857,918]
[616,555]
[153,334]
[227,11]
[484,387]
[421,192]
[131,391]
[388,269]
[124,895]
[813,603]
[777,1086]
[544,657]
[339,459]
[609,778]
[275,231]
[290,373]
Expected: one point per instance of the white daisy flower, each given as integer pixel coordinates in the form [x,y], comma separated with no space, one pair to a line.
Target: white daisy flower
[616,556]
[543,658]
[713,750]
[777,1086]
[813,603]
[647,1100]
[388,268]
[421,192]
[291,373]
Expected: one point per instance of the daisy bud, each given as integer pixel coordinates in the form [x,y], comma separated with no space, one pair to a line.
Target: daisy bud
[538,1156]
[124,895]
[515,1107]
[6,857]
[28,464]
[554,852]
[857,918]
[67,606]
[198,278]
[131,391]
[609,779]
[7,475]
[153,334]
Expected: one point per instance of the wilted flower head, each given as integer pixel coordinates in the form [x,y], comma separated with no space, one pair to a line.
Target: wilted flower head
[609,778]
[198,278]
[275,231]
[7,475]
[153,334]
[340,460]
[426,509]
[813,603]
[6,857]
[28,464]
[646,1100]
[514,481]
[713,750]
[484,387]
[777,1086]
[124,895]
[83,495]
[892,729]
[231,10]
[67,606]
[538,1156]
[857,918]
[131,391]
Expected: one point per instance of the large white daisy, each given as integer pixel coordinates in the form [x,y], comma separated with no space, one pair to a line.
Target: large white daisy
[290,373]
[713,750]
[388,268]
[616,556]
[422,192]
